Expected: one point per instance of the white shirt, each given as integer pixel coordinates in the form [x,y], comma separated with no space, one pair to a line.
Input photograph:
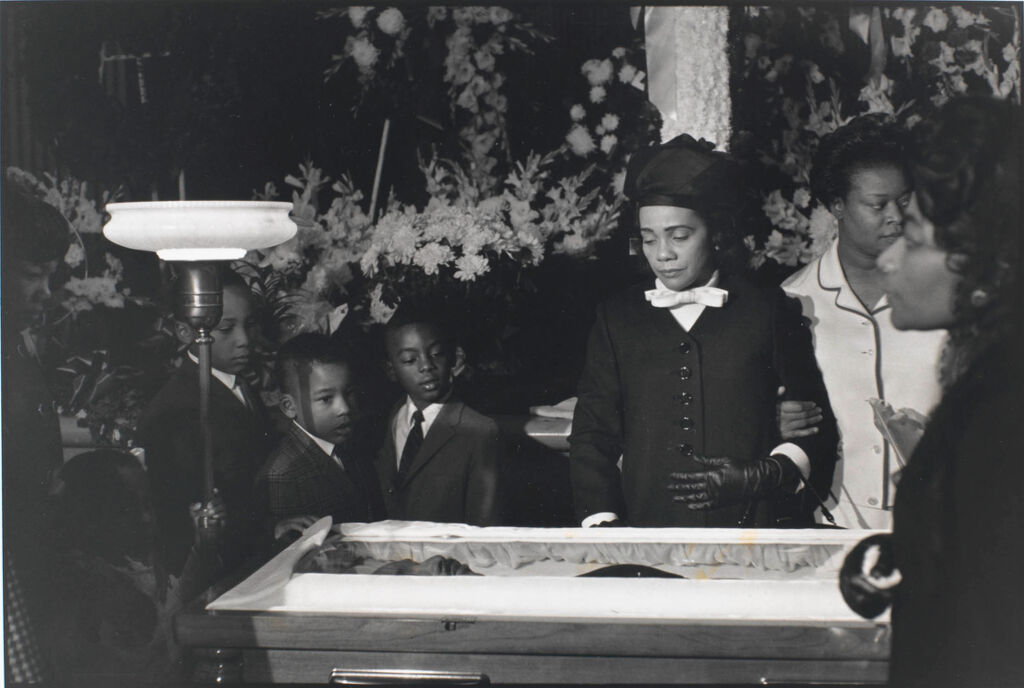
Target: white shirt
[328,447]
[862,356]
[226,379]
[686,315]
[402,424]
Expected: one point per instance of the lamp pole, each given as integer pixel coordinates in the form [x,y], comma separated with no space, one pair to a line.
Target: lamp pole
[200,304]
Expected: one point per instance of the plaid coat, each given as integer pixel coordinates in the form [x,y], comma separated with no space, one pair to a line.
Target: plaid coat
[299,479]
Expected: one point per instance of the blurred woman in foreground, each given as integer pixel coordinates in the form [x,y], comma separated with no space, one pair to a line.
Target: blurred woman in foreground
[959,512]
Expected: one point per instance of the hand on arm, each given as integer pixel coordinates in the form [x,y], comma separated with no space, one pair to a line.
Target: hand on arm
[797,418]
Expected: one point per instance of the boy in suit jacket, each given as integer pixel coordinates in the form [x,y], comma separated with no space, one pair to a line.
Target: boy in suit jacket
[680,380]
[441,460]
[318,469]
[169,432]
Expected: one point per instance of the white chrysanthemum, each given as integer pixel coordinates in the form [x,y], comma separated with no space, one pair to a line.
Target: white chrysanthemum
[75,254]
[597,71]
[608,142]
[357,15]
[364,53]
[619,52]
[499,15]
[484,60]
[610,122]
[432,256]
[390,21]
[572,244]
[86,292]
[580,141]
[936,20]
[468,268]
[597,94]
[463,72]
[467,100]
[627,73]
[577,112]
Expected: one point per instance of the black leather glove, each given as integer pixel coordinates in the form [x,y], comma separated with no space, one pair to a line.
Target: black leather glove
[728,482]
[869,577]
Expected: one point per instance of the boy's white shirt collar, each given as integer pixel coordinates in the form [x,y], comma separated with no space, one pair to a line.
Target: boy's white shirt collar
[686,314]
[430,413]
[226,379]
[328,447]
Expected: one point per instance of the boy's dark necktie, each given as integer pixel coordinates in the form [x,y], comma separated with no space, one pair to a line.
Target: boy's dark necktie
[247,394]
[412,443]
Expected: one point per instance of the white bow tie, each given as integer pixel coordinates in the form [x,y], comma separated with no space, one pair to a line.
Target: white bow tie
[705,296]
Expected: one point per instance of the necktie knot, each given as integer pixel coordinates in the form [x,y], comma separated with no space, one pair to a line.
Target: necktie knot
[417,417]
[705,296]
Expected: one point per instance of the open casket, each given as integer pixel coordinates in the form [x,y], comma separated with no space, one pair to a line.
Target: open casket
[750,606]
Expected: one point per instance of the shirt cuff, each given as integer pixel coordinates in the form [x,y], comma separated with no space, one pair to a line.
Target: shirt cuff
[798,456]
[599,517]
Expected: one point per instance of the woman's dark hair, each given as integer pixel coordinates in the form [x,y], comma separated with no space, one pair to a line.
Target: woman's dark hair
[33,230]
[967,176]
[868,141]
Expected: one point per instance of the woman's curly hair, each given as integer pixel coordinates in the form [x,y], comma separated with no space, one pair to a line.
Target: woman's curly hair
[967,175]
[867,141]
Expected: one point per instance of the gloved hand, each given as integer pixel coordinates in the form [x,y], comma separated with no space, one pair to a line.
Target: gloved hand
[869,576]
[729,482]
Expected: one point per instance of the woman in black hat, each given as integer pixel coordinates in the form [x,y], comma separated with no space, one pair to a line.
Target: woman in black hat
[682,371]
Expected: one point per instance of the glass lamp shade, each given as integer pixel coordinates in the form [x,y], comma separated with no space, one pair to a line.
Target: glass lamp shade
[199,230]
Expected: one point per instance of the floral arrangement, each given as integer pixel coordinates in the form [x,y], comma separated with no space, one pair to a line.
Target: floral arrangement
[489,222]
[475,40]
[801,75]
[615,118]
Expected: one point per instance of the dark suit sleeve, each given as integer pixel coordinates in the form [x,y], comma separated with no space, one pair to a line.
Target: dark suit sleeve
[173,462]
[484,497]
[596,441]
[798,371]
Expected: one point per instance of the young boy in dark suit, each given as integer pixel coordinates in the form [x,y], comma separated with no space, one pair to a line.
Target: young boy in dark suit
[318,468]
[169,432]
[441,460]
[682,372]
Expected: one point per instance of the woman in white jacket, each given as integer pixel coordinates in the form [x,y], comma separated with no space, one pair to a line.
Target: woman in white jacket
[859,174]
